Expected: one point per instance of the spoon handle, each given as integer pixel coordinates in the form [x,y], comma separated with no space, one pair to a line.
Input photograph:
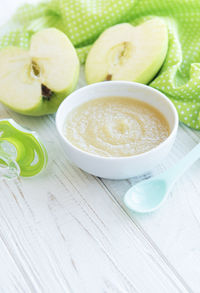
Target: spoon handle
[174,173]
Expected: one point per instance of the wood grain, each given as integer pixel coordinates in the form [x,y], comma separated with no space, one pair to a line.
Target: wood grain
[175,228]
[68,234]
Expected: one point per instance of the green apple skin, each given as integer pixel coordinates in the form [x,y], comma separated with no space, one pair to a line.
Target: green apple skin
[150,72]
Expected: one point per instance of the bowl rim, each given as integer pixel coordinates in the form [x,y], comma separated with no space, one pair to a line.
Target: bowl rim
[120,158]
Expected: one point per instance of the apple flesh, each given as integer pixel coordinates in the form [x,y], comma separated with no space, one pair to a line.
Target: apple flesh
[35,81]
[125,52]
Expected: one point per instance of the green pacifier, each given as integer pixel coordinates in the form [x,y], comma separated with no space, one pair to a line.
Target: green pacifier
[21,151]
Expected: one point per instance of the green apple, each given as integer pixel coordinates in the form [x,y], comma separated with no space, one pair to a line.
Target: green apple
[35,81]
[125,52]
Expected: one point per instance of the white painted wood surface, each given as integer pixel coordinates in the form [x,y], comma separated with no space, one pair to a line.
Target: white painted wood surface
[66,231]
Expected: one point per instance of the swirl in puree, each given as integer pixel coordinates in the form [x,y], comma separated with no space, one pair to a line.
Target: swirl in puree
[116,127]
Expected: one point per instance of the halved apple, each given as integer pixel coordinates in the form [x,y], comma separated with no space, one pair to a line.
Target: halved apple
[125,52]
[35,81]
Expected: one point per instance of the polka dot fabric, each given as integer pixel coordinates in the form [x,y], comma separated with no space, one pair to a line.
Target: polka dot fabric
[84,20]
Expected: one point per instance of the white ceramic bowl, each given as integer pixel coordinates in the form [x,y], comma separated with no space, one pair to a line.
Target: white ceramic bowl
[118,167]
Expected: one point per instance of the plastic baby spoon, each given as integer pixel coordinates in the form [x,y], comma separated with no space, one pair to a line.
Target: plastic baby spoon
[148,195]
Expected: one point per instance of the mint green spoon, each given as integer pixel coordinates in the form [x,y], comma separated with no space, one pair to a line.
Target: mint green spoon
[148,195]
[21,151]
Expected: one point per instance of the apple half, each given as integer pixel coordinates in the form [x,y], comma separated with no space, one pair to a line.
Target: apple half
[35,81]
[125,52]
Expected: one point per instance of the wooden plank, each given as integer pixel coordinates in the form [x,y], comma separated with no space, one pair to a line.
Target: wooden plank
[13,279]
[69,235]
[174,229]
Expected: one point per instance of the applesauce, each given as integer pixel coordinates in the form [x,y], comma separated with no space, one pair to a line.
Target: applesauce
[116,127]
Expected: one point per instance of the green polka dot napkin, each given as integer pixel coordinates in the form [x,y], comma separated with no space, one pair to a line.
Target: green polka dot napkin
[84,20]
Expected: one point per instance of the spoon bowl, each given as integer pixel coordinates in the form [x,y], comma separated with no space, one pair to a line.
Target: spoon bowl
[146,196]
[149,195]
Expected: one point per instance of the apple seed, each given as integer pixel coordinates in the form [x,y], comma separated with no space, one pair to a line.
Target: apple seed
[35,69]
[46,92]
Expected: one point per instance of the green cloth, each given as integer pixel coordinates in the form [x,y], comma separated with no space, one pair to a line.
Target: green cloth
[84,20]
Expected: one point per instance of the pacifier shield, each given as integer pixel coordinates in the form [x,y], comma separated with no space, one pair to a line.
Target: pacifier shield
[22,146]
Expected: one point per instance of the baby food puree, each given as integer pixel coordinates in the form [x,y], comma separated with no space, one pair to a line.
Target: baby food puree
[116,127]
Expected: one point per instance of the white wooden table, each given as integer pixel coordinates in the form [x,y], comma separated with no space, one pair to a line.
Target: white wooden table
[66,231]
